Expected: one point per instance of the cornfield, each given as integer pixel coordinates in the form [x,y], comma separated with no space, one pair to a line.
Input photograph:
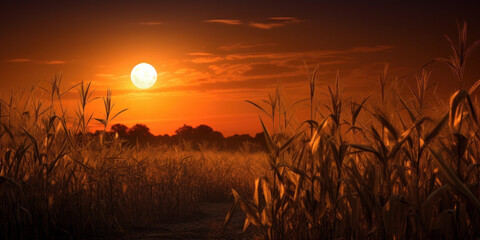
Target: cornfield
[402,168]
[405,167]
[57,181]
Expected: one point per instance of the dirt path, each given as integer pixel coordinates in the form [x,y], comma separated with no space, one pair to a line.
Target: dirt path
[206,225]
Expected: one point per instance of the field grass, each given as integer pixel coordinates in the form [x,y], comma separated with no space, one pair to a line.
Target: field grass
[402,167]
[58,181]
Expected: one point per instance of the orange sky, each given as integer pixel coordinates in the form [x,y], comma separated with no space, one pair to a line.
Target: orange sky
[212,55]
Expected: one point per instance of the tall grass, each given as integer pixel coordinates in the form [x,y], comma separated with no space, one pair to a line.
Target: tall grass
[409,170]
[59,181]
[405,168]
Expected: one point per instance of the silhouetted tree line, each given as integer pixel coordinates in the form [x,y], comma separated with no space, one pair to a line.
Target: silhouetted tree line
[195,137]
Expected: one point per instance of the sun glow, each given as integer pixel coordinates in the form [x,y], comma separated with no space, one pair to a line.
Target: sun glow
[143,75]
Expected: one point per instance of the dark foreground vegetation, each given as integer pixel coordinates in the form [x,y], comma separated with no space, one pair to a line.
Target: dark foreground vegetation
[402,167]
[406,167]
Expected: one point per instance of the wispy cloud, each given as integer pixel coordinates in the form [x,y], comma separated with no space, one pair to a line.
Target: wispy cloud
[207,59]
[225,21]
[259,70]
[239,75]
[369,49]
[266,25]
[150,23]
[287,19]
[105,75]
[25,60]
[308,54]
[111,76]
[274,22]
[236,46]
[269,23]
[19,60]
[200,54]
[204,57]
[105,80]
[51,62]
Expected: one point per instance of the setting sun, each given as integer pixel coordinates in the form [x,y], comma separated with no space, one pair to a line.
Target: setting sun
[143,76]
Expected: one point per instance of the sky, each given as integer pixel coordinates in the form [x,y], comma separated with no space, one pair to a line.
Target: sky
[211,56]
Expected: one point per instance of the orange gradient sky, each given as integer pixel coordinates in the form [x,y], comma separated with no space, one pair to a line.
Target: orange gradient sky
[212,55]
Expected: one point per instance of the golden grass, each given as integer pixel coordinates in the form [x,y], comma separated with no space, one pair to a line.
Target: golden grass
[58,181]
[401,168]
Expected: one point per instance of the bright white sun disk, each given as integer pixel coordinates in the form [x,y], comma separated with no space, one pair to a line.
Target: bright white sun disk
[143,75]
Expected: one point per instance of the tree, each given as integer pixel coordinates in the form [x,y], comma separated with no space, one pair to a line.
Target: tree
[237,141]
[207,134]
[203,130]
[139,130]
[185,132]
[260,140]
[199,135]
[120,129]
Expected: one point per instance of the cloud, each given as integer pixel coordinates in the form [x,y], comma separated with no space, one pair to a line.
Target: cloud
[150,23]
[111,76]
[105,75]
[260,82]
[225,21]
[200,54]
[308,54]
[287,19]
[269,23]
[218,67]
[51,62]
[23,60]
[236,46]
[268,69]
[104,81]
[266,25]
[126,76]
[206,59]
[18,60]
[229,69]
[367,49]
[241,74]
[274,22]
